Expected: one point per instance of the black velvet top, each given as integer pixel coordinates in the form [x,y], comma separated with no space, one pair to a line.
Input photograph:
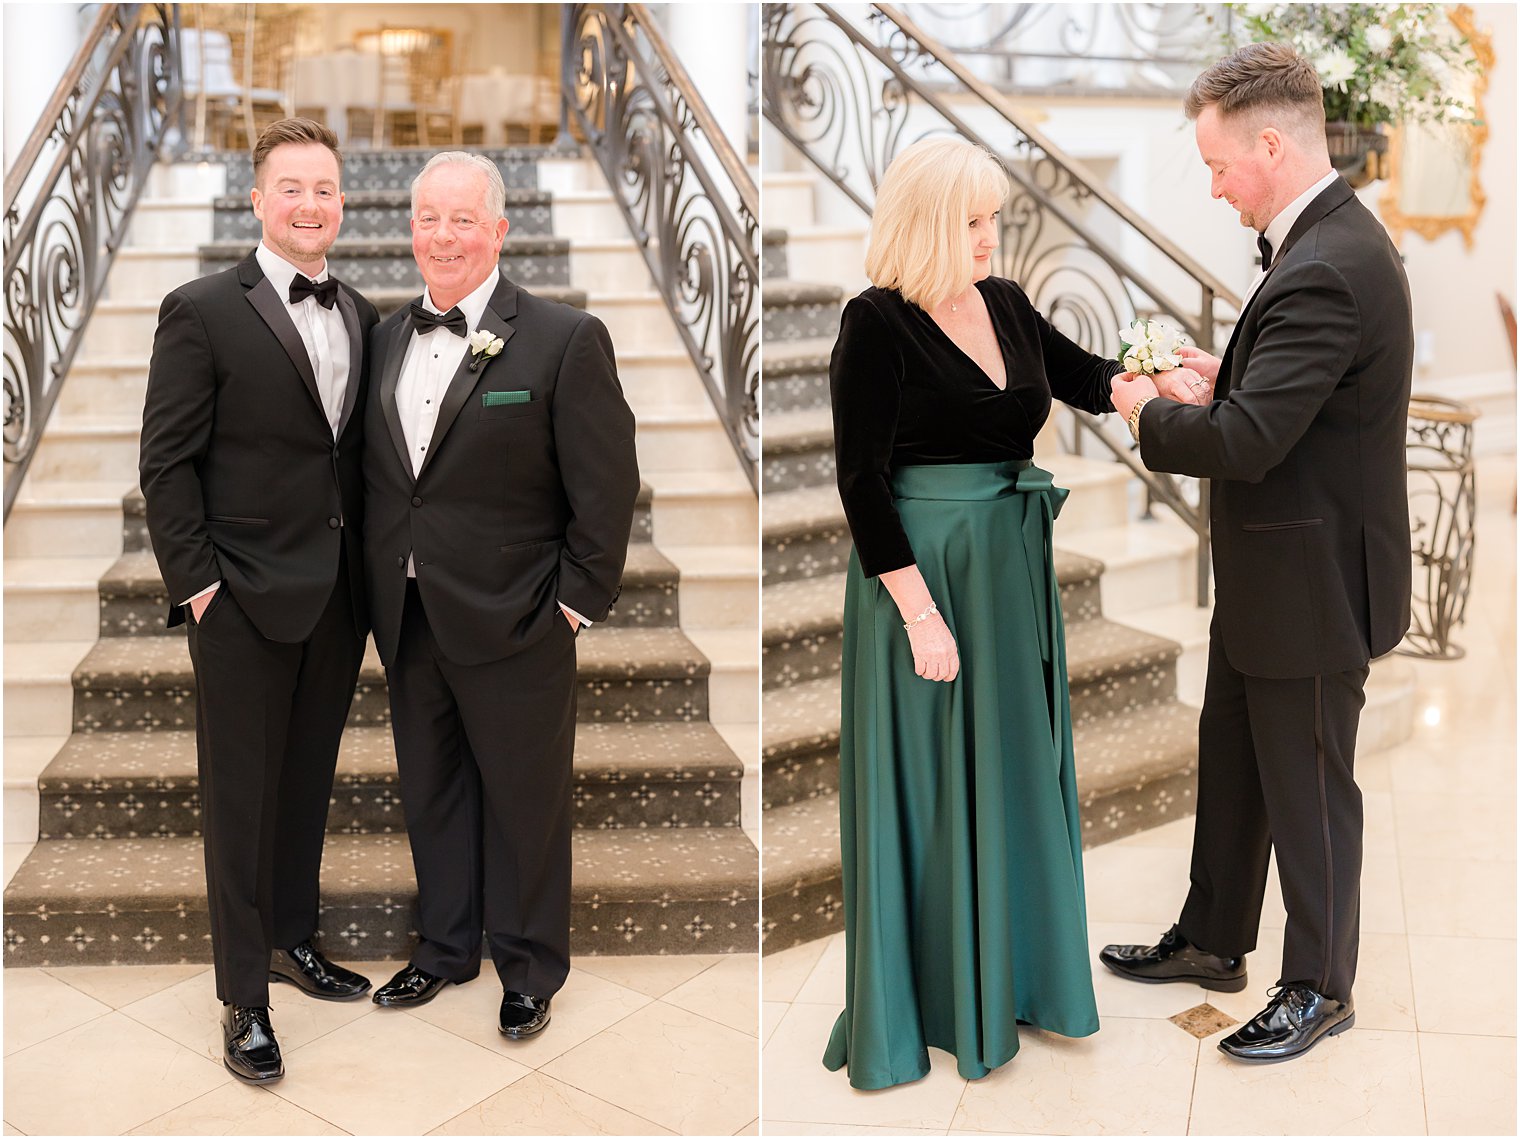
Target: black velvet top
[904,394]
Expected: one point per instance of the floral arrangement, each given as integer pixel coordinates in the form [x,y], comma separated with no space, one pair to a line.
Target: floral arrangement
[1378,63]
[1150,346]
[483,348]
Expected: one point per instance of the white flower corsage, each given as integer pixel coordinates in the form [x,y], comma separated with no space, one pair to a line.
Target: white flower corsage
[483,346]
[1150,346]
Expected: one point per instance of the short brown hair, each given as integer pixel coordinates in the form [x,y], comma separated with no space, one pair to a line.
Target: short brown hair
[298,131]
[1260,77]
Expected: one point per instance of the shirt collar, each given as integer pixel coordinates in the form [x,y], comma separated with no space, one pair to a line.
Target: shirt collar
[1279,227]
[280,272]
[474,305]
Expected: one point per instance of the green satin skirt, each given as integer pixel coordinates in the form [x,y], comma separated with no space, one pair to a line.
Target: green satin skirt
[960,838]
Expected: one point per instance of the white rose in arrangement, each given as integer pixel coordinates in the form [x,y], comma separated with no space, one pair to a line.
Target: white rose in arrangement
[1150,346]
[483,346]
[1335,68]
[1379,39]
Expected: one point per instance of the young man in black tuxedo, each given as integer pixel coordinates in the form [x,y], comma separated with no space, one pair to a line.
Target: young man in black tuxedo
[251,443]
[1309,524]
[500,478]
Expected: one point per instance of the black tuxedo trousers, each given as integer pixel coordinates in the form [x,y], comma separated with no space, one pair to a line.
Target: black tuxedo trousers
[268,719]
[485,754]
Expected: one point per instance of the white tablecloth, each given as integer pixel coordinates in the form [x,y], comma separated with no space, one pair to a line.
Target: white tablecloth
[346,79]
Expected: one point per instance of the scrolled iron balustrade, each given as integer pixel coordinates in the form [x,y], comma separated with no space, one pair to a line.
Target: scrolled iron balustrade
[1106,49]
[68,201]
[696,222]
[850,98]
[1443,504]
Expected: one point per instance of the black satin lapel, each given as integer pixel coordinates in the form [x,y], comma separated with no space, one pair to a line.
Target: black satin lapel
[350,313]
[463,385]
[266,302]
[394,356]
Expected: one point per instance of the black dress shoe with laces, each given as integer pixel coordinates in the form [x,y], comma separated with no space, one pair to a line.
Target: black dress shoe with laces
[409,988]
[1174,959]
[522,1015]
[1295,1020]
[250,1051]
[315,975]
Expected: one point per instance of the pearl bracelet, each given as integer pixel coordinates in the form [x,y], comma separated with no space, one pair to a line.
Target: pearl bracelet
[922,617]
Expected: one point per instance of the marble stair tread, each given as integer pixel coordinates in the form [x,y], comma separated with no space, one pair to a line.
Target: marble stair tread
[782,293]
[803,511]
[167,875]
[602,653]
[699,562]
[44,661]
[55,573]
[46,493]
[793,357]
[105,762]
[787,432]
[1160,537]
[816,604]
[698,484]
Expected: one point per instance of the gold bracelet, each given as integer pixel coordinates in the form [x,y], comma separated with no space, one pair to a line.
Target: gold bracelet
[1134,416]
[922,617]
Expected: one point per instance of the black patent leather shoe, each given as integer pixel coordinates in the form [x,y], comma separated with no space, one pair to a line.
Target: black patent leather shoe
[409,988]
[315,975]
[1295,1020]
[250,1051]
[1174,959]
[522,1015]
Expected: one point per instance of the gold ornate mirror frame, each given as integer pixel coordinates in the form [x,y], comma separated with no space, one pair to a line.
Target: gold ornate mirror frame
[1427,226]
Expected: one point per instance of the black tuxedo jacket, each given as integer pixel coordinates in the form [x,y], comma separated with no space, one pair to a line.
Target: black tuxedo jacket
[524,500]
[1305,439]
[242,477]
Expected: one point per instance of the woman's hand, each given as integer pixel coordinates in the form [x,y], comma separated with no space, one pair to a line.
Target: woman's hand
[935,656]
[1201,362]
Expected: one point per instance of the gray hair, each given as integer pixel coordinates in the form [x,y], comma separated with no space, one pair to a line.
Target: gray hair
[496,190]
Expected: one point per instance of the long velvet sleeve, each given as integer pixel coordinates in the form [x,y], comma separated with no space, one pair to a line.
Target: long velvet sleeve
[865,385]
[1077,377]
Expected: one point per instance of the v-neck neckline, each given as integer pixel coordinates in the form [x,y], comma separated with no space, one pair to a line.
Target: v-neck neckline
[996,335]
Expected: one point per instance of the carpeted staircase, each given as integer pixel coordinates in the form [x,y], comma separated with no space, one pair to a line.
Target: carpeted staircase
[99,696]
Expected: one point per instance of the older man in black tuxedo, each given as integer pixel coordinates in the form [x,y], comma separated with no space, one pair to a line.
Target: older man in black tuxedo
[500,479]
[1304,439]
[251,443]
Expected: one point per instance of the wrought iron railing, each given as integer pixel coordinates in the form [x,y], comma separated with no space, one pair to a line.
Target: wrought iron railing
[850,97]
[1080,49]
[69,199]
[689,201]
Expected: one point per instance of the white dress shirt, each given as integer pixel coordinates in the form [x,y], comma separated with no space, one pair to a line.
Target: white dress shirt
[322,331]
[431,360]
[1279,227]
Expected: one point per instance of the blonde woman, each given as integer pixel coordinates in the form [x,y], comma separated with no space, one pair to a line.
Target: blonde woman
[962,854]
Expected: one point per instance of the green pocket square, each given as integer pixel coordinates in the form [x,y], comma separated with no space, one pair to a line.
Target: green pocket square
[491,399]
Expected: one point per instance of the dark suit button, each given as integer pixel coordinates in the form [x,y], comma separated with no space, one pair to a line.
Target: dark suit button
[400,563]
[416,502]
[333,523]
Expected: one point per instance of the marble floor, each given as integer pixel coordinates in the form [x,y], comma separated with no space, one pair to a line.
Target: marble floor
[637,1046]
[1433,1050]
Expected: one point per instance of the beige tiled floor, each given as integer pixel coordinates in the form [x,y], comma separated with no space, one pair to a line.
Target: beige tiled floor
[638,1046]
[1433,1050]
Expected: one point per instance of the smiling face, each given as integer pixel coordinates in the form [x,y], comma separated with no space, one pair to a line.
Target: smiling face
[455,240]
[1243,164]
[982,233]
[298,200]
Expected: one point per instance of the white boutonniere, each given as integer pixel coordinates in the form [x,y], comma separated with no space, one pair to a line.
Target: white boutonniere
[483,347]
[1150,346]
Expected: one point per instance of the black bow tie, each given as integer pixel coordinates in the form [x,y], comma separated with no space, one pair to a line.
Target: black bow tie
[326,291]
[1264,247]
[425,320]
